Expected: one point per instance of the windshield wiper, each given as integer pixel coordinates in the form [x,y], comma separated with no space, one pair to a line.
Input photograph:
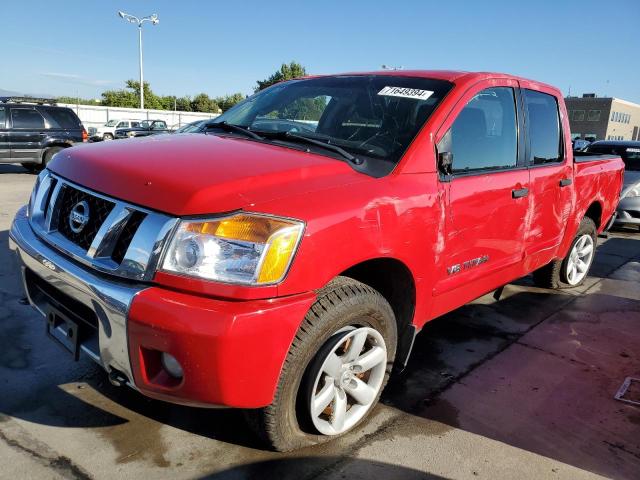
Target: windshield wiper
[230,127]
[286,135]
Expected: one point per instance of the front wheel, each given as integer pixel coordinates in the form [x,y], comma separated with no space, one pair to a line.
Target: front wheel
[572,270]
[336,368]
[107,137]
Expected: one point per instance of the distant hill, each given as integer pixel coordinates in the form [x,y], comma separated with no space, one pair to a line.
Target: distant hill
[12,93]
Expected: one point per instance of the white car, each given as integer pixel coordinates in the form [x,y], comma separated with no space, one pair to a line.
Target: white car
[108,130]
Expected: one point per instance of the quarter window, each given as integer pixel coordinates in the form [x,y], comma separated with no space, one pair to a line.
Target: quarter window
[26,118]
[484,136]
[544,127]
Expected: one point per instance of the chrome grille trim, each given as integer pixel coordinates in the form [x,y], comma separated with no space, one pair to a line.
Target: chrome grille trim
[143,252]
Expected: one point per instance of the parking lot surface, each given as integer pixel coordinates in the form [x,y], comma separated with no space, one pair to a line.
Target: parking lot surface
[523,387]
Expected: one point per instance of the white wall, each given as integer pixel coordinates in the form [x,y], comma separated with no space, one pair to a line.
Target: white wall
[94,116]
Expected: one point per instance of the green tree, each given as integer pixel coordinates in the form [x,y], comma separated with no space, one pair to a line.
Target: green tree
[80,101]
[225,102]
[202,103]
[286,72]
[183,104]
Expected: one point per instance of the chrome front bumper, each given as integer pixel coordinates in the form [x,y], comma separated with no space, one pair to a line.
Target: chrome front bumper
[628,211]
[109,300]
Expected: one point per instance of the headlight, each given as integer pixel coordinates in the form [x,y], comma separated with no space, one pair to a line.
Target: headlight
[633,192]
[245,248]
[32,199]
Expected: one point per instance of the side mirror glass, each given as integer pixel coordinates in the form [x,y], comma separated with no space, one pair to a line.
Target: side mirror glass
[445,162]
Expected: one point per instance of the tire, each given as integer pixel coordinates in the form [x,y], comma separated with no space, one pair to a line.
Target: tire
[30,167]
[48,155]
[107,136]
[557,274]
[287,423]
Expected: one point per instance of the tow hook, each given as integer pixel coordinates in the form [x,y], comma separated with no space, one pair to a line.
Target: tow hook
[117,378]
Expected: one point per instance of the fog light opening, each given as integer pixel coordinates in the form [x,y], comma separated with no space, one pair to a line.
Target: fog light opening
[171,365]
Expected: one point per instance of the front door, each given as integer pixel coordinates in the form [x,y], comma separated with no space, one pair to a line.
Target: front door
[488,194]
[26,134]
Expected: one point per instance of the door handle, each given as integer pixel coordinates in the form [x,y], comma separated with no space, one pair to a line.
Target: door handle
[520,192]
[565,182]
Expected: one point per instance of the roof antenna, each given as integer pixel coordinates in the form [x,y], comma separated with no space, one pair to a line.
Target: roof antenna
[391,67]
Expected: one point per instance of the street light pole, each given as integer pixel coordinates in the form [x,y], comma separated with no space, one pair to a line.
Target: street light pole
[139,21]
[141,69]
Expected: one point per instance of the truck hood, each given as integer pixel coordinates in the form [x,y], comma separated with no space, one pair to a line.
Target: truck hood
[195,174]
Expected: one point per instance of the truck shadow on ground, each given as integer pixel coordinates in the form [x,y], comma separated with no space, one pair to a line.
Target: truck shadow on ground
[41,384]
[13,168]
[357,468]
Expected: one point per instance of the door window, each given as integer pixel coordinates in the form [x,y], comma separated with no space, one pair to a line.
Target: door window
[484,136]
[122,125]
[26,118]
[2,118]
[544,128]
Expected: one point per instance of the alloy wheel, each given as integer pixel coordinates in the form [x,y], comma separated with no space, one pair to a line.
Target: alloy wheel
[348,381]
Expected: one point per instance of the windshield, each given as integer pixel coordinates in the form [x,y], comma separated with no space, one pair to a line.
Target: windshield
[145,123]
[630,155]
[111,123]
[374,117]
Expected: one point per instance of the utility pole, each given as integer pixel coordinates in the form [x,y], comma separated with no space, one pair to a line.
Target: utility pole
[139,21]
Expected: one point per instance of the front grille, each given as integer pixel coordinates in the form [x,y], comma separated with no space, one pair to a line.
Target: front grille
[113,230]
[43,293]
[99,209]
[124,240]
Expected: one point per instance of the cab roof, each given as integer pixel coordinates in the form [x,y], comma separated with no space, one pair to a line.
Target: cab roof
[453,76]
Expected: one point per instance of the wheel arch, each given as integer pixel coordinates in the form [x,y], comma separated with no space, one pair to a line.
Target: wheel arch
[49,146]
[396,283]
[594,212]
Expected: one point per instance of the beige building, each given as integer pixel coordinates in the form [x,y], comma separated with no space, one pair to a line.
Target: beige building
[603,118]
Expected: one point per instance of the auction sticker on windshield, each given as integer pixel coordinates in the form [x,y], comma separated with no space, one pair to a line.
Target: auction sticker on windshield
[414,93]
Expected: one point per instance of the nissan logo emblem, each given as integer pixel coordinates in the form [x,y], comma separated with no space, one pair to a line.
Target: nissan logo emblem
[79,216]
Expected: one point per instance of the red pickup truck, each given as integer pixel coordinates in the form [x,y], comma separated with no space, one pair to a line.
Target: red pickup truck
[284,261]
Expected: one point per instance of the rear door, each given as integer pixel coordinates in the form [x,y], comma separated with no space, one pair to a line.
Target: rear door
[551,174]
[26,134]
[5,151]
[487,191]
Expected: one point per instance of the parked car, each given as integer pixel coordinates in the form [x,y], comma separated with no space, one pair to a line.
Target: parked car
[33,130]
[144,129]
[287,273]
[108,130]
[629,207]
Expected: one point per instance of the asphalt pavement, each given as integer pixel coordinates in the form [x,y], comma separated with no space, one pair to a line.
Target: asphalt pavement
[519,388]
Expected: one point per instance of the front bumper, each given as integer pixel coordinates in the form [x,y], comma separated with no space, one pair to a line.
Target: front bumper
[628,211]
[231,352]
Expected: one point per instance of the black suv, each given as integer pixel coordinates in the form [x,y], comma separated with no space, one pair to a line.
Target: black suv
[33,130]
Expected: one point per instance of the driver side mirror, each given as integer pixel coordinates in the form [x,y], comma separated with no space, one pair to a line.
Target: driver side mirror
[445,163]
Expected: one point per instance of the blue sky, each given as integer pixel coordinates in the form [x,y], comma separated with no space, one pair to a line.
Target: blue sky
[220,47]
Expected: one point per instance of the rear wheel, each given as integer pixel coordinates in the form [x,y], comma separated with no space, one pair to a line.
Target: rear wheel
[31,167]
[572,270]
[48,155]
[337,367]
